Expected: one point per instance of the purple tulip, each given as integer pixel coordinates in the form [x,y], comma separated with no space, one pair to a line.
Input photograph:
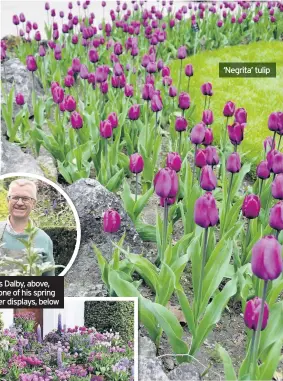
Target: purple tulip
[134,112]
[262,170]
[129,91]
[20,100]
[251,206]
[75,39]
[266,259]
[275,161]
[276,216]
[165,72]
[101,73]
[200,158]
[118,49]
[206,89]
[84,71]
[70,103]
[113,119]
[269,144]
[182,53]
[69,81]
[241,115]
[229,109]
[136,163]
[76,65]
[207,117]
[174,161]
[189,71]
[16,20]
[104,87]
[111,221]
[76,120]
[277,187]
[236,133]
[184,101]
[208,137]
[273,122]
[205,212]
[233,164]
[172,92]
[166,183]
[252,312]
[212,157]
[105,129]
[31,63]
[208,180]
[58,94]
[180,124]
[147,91]
[156,102]
[198,133]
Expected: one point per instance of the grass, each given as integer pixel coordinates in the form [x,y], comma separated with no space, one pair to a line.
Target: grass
[259,96]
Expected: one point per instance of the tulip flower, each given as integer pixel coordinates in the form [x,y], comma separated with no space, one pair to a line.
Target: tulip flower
[276,217]
[200,158]
[184,101]
[174,161]
[236,133]
[197,134]
[105,129]
[229,109]
[166,186]
[208,137]
[70,103]
[111,221]
[76,65]
[275,161]
[134,112]
[262,172]
[277,187]
[20,100]
[69,81]
[189,72]
[58,94]
[76,120]
[212,157]
[208,179]
[206,90]
[233,164]
[251,206]
[241,116]
[129,91]
[207,117]
[205,215]
[136,166]
[268,144]
[113,119]
[172,92]
[41,51]
[252,312]
[93,55]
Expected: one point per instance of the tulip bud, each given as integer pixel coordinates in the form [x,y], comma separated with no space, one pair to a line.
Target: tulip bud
[76,65]
[208,137]
[105,129]
[166,183]
[206,89]
[129,91]
[269,144]
[236,133]
[31,63]
[182,52]
[266,260]
[113,119]
[174,161]
[76,120]
[69,81]
[207,117]
[84,71]
[251,206]
[262,170]
[184,101]
[58,94]
[156,102]
[252,312]
[16,20]
[277,187]
[70,103]
[134,112]
[208,179]
[169,201]
[180,124]
[136,163]
[275,161]
[111,221]
[276,216]
[205,212]
[200,158]
[189,71]
[241,116]
[233,164]
[93,55]
[229,109]
[273,122]
[41,51]
[172,92]
[198,133]
[20,100]
[212,157]
[104,87]
[165,72]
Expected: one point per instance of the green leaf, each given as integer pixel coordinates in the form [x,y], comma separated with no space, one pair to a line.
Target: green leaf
[267,369]
[165,285]
[229,370]
[186,309]
[142,201]
[115,181]
[103,266]
[127,200]
[146,232]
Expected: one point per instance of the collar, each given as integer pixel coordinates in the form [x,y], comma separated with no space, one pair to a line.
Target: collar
[10,229]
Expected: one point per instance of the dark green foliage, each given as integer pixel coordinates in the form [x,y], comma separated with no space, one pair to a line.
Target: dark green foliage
[64,242]
[118,316]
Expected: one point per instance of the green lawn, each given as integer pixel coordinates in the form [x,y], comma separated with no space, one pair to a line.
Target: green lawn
[259,96]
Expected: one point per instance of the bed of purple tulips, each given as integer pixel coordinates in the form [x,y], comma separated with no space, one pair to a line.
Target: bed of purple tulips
[73,354]
[110,104]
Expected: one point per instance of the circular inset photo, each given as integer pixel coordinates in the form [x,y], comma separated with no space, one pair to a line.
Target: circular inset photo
[39,227]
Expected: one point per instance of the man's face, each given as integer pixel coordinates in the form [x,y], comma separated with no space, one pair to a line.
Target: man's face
[20,201]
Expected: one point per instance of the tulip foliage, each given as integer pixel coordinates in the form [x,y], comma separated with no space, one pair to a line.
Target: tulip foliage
[113,108]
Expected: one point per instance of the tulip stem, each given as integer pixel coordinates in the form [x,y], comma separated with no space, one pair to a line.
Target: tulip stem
[279,143]
[189,84]
[253,364]
[180,76]
[203,263]
[136,196]
[180,142]
[194,165]
[273,140]
[165,224]
[32,81]
[260,187]
[225,135]
[252,347]
[277,234]
[228,201]
[246,243]
[204,102]
[156,120]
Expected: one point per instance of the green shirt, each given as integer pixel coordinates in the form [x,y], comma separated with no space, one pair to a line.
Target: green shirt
[42,242]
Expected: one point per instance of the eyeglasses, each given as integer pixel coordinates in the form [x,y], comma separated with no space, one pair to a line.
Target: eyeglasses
[25,200]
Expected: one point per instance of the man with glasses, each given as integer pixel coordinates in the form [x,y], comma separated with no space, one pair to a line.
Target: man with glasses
[22,195]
